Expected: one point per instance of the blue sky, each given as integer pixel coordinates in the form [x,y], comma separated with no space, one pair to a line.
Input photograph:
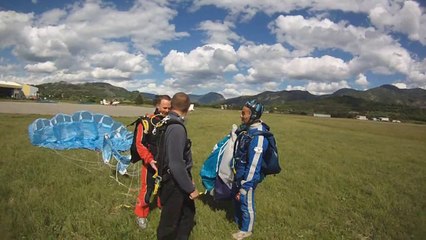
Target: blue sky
[233,47]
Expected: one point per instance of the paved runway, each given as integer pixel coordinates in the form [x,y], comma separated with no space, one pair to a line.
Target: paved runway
[68,108]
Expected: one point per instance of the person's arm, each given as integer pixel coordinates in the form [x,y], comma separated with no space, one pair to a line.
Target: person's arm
[175,147]
[255,158]
[142,150]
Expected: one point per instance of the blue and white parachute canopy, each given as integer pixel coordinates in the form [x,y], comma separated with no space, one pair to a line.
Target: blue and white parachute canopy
[83,130]
[216,173]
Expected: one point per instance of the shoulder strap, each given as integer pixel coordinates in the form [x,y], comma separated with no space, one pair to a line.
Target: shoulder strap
[263,133]
[134,122]
[147,116]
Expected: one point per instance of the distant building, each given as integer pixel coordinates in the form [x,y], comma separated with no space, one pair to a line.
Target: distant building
[10,89]
[322,115]
[16,90]
[361,117]
[30,91]
[384,119]
[191,107]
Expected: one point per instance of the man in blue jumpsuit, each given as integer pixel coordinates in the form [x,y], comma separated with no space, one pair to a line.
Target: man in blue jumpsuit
[248,157]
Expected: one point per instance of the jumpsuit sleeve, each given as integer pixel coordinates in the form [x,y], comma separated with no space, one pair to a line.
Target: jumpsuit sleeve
[255,159]
[142,150]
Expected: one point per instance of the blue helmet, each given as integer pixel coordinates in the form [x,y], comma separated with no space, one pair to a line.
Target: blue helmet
[255,108]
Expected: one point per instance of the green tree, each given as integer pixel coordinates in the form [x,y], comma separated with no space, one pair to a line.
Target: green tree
[139,99]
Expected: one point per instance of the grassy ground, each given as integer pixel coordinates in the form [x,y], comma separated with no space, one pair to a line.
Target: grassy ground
[341,179]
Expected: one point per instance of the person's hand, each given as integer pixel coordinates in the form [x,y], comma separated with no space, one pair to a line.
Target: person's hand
[194,194]
[237,196]
[152,163]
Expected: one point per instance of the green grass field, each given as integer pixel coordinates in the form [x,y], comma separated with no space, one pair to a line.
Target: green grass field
[341,179]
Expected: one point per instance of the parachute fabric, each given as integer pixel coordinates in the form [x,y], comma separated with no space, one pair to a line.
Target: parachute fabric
[84,130]
[216,172]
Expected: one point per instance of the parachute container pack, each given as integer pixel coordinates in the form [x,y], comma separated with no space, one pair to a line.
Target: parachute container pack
[84,130]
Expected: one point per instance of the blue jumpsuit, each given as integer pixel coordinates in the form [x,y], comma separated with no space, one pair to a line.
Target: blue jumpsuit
[248,158]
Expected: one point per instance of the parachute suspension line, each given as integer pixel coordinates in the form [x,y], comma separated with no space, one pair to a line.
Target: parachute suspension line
[92,165]
[68,159]
[129,187]
[73,158]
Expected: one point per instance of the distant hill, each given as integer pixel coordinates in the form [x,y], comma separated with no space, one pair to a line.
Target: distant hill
[386,94]
[85,91]
[386,100]
[94,92]
[389,94]
[207,99]
[273,98]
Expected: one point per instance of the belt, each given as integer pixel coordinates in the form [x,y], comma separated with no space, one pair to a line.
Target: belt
[166,176]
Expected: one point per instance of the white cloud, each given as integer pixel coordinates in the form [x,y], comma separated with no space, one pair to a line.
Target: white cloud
[325,88]
[325,68]
[147,23]
[262,52]
[219,32]
[292,88]
[111,73]
[44,44]
[145,85]
[400,85]
[7,68]
[247,9]
[122,61]
[230,93]
[167,86]
[95,41]
[12,26]
[264,63]
[75,77]
[46,67]
[362,81]
[88,37]
[52,17]
[408,19]
[267,64]
[202,67]
[231,90]
[417,76]
[371,49]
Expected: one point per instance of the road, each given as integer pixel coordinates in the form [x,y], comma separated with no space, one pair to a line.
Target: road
[68,108]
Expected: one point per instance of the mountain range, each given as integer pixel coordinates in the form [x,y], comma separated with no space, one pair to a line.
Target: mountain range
[386,100]
[385,94]
[383,101]
[94,92]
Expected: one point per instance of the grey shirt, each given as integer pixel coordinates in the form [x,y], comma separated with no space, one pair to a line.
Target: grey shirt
[179,158]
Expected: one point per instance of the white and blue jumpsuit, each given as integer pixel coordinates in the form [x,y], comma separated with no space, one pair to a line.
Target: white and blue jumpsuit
[248,157]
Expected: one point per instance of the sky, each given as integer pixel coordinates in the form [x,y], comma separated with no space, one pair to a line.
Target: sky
[232,47]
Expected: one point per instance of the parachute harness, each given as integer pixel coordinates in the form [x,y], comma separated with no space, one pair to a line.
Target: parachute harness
[157,185]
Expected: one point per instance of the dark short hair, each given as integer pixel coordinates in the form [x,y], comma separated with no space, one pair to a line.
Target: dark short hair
[181,102]
[159,98]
